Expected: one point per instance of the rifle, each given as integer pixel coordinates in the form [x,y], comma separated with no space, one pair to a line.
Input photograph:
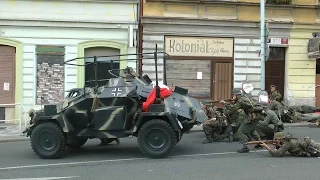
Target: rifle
[266,142]
[226,100]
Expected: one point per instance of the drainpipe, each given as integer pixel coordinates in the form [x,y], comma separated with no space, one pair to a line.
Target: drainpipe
[140,29]
[263,43]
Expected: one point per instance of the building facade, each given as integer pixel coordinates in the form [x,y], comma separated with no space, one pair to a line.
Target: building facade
[229,34]
[37,40]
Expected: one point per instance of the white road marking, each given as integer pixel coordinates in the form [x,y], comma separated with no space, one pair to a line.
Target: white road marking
[44,178]
[116,160]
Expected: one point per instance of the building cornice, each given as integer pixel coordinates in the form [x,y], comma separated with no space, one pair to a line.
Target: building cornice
[103,1]
[237,3]
[210,22]
[69,24]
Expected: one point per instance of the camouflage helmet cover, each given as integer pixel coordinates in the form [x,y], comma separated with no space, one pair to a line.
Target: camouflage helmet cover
[279,135]
[236,92]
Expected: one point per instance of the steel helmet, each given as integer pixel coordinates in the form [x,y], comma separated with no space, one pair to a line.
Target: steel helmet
[279,135]
[236,92]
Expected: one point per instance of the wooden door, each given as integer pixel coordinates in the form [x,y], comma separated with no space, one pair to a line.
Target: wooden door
[275,70]
[222,79]
[318,90]
[7,74]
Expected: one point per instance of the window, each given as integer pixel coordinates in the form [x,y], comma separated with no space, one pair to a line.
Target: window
[277,54]
[50,74]
[105,64]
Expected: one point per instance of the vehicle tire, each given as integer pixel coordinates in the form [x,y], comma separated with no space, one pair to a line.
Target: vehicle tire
[156,138]
[48,140]
[77,142]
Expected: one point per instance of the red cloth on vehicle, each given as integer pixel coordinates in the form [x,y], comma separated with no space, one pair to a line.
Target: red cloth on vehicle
[164,92]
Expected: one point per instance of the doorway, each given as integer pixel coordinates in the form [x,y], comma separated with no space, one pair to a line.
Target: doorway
[105,64]
[317,83]
[222,79]
[275,69]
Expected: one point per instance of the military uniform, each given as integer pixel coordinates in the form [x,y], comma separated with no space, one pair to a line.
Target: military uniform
[304,109]
[270,125]
[295,147]
[278,108]
[248,119]
[275,95]
[214,126]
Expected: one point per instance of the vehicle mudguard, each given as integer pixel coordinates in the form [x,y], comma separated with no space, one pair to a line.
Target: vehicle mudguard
[65,125]
[145,116]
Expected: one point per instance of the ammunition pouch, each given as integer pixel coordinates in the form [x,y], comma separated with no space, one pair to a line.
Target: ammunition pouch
[253,116]
[314,152]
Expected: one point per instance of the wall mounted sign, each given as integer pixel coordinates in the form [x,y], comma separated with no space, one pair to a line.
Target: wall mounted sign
[199,46]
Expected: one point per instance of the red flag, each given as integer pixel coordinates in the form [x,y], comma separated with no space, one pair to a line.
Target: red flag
[164,92]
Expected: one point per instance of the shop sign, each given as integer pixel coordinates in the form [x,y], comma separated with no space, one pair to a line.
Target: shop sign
[199,46]
[314,48]
[278,41]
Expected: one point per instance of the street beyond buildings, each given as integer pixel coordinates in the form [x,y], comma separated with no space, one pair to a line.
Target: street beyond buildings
[190,160]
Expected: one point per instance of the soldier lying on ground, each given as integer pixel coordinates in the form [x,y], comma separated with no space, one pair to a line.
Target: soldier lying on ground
[216,126]
[296,147]
[304,109]
[270,125]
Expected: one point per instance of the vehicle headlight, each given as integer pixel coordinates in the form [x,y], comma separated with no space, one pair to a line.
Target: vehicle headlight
[31,112]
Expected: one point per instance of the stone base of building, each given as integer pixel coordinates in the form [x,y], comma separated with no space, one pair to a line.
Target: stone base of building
[301,101]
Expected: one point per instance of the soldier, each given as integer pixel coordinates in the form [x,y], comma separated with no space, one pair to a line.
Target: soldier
[270,125]
[294,146]
[214,125]
[304,109]
[107,141]
[274,93]
[278,108]
[247,116]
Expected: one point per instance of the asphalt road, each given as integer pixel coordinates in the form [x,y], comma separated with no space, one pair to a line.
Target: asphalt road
[190,160]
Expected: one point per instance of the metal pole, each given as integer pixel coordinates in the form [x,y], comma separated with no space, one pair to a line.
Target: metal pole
[95,70]
[156,66]
[263,42]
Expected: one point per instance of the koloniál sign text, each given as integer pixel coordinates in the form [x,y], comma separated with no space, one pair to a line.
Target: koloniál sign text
[199,46]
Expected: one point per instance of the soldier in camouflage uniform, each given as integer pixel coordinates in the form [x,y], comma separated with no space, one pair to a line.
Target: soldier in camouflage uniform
[214,126]
[270,125]
[296,113]
[247,116]
[278,108]
[274,94]
[294,146]
[304,109]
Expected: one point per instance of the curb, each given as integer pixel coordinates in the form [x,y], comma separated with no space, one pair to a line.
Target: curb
[286,125]
[4,139]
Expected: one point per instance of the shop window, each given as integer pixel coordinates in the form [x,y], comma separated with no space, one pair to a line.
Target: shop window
[50,74]
[277,54]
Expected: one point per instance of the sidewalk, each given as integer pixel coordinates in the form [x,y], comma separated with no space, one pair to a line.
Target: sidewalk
[10,133]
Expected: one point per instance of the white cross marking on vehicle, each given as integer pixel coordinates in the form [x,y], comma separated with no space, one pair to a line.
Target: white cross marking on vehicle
[116,92]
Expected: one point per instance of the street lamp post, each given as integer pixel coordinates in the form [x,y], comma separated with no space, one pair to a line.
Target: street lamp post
[263,43]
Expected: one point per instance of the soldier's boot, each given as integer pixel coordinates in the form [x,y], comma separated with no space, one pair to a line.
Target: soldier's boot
[208,139]
[244,149]
[230,136]
[258,146]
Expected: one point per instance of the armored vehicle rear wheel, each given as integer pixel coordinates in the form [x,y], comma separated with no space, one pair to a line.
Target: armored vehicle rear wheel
[156,138]
[48,140]
[77,142]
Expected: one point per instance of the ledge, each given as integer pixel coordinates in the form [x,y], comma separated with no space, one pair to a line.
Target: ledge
[238,3]
[212,22]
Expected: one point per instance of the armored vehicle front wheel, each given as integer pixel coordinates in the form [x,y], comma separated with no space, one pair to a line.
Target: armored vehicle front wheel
[48,140]
[156,138]
[77,142]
